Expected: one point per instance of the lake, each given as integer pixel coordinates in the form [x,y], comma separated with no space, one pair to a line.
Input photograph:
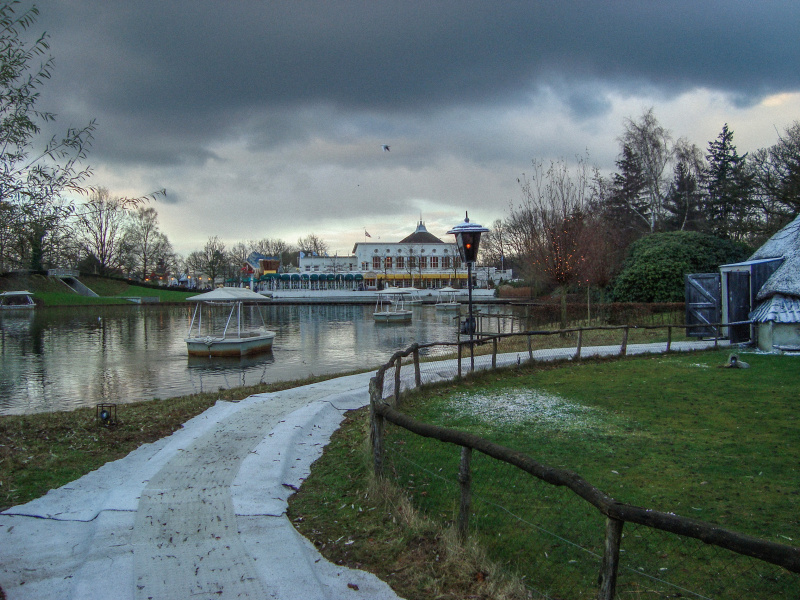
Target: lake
[64,358]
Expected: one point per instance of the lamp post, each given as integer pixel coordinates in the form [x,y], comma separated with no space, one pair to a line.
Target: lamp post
[468,238]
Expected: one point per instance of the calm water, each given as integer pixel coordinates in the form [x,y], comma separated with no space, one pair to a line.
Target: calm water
[60,359]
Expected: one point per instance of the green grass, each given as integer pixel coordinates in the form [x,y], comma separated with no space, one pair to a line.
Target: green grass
[673,433]
[52,292]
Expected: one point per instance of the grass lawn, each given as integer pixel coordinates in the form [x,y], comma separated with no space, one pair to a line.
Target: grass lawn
[51,292]
[674,433]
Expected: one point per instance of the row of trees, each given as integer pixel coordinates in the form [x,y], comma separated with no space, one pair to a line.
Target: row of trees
[573,226]
[114,240]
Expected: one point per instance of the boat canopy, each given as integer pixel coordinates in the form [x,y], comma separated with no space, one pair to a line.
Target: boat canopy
[16,294]
[229,294]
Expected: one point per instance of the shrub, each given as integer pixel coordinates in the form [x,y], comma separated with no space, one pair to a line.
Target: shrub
[655,268]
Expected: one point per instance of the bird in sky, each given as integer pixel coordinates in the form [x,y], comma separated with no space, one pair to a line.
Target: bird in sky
[385,148]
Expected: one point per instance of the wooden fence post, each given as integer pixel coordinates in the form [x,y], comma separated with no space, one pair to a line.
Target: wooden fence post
[376,427]
[397,365]
[459,360]
[417,373]
[669,338]
[608,571]
[530,349]
[623,349]
[494,353]
[580,343]
[465,480]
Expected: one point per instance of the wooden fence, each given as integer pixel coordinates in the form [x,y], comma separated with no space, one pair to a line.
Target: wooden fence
[616,513]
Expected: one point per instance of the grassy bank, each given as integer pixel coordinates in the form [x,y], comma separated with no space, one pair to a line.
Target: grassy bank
[673,433]
[50,291]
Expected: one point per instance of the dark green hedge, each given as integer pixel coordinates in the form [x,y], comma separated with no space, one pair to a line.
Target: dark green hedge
[655,268]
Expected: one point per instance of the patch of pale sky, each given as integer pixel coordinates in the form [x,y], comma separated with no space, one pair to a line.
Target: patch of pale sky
[336,187]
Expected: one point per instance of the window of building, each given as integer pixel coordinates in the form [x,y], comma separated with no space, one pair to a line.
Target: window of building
[423,262]
[388,262]
[445,262]
[401,262]
[434,262]
[376,262]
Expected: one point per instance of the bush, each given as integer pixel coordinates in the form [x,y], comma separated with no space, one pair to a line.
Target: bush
[655,268]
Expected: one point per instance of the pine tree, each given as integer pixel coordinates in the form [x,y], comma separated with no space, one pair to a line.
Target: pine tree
[729,190]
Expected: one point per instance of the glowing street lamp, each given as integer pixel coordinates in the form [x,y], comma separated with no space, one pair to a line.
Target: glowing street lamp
[468,238]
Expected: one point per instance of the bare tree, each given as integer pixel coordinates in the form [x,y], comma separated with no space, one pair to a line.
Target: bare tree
[312,245]
[213,260]
[144,243]
[650,147]
[547,230]
[491,250]
[100,229]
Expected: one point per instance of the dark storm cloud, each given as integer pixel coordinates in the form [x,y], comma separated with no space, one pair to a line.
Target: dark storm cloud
[171,82]
[176,58]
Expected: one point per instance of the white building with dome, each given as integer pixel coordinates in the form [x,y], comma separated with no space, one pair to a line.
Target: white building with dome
[420,260]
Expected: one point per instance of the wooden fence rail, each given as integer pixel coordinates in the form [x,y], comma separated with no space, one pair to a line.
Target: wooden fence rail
[616,513]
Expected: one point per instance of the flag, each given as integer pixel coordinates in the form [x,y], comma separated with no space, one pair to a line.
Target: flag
[366,234]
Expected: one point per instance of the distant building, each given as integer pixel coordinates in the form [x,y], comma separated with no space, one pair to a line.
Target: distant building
[419,260]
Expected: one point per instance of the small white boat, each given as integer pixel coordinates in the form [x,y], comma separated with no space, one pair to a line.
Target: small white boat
[235,339]
[21,300]
[390,307]
[414,296]
[446,300]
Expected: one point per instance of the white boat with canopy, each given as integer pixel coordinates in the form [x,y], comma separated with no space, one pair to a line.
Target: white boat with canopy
[239,336]
[17,300]
[446,300]
[390,306]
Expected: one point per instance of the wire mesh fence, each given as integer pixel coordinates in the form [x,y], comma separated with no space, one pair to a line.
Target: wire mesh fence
[555,539]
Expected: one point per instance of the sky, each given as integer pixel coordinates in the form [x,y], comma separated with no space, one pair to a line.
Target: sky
[266,119]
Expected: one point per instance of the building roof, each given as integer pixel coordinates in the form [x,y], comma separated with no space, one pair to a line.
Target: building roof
[421,236]
[786,278]
[779,309]
[229,294]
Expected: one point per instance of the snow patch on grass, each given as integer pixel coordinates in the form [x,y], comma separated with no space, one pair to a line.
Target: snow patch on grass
[529,406]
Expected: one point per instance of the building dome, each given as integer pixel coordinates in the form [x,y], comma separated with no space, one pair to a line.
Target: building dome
[421,236]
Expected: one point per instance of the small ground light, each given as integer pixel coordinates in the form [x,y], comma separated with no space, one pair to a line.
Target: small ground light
[106,414]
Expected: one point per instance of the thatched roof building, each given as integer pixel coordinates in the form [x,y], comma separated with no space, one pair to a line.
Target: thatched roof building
[777,307]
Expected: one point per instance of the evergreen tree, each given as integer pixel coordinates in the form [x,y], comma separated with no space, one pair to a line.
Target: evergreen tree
[684,202]
[625,205]
[729,190]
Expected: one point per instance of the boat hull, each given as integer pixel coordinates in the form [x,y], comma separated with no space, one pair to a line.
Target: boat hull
[394,316]
[230,346]
[449,306]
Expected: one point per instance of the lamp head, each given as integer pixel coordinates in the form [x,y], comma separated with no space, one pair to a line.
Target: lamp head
[468,238]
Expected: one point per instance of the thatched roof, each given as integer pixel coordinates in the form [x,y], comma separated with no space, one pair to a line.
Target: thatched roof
[786,278]
[779,309]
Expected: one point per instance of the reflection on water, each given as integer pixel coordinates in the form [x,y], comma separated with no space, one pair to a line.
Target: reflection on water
[63,358]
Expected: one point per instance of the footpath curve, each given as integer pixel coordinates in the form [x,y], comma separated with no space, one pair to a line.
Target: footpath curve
[202,514]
